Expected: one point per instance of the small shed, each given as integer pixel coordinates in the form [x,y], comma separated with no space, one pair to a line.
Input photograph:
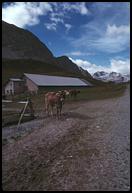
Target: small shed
[35,81]
[14,86]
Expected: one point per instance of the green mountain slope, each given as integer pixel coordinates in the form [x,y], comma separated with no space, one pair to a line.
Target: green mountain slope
[23,52]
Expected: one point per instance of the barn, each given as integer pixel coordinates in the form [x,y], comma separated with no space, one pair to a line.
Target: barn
[14,86]
[35,81]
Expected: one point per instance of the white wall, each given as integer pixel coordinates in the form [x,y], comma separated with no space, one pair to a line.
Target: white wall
[9,88]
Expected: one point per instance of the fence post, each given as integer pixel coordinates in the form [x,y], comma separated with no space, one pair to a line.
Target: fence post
[31,107]
[22,114]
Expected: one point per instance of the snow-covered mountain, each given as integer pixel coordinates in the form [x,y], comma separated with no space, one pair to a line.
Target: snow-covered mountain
[112,76]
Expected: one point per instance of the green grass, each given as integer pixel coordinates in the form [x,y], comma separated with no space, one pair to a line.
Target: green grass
[91,93]
[95,93]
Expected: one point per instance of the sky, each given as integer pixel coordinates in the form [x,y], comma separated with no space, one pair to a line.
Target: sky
[94,35]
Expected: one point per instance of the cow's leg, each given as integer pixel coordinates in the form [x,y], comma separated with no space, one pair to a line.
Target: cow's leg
[60,110]
[52,110]
[48,109]
[57,112]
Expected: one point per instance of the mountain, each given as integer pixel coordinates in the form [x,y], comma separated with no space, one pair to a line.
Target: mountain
[65,63]
[22,46]
[100,75]
[112,76]
[84,72]
[19,43]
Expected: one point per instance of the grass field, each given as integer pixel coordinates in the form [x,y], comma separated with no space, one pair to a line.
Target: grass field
[92,93]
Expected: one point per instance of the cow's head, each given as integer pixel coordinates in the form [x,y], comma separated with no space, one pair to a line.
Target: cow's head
[67,93]
[61,97]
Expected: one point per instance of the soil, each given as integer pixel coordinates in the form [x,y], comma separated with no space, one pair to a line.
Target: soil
[87,149]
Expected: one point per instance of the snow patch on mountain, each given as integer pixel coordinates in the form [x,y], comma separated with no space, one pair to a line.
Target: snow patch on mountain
[112,76]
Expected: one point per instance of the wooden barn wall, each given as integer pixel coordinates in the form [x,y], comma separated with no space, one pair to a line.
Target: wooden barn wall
[32,87]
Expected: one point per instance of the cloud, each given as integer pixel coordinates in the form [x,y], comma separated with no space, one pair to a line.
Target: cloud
[61,11]
[114,39]
[51,26]
[57,20]
[90,67]
[83,9]
[113,30]
[107,29]
[80,8]
[120,66]
[25,13]
[68,26]
[79,53]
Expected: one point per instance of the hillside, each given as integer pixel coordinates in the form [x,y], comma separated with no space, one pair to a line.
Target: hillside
[15,68]
[23,52]
[18,43]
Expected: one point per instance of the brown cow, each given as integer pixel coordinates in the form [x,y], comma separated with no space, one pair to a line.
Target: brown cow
[67,92]
[52,100]
[46,100]
[64,93]
[59,103]
[74,93]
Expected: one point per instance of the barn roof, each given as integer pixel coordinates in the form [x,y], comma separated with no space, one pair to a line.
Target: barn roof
[46,80]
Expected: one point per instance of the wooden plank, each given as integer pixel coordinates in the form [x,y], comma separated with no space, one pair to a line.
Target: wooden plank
[7,101]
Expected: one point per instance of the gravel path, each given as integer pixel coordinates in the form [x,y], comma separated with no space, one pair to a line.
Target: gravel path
[87,149]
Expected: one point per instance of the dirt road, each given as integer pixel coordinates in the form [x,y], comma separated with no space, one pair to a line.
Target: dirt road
[88,149]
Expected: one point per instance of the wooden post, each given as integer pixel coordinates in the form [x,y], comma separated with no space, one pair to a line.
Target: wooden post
[22,114]
[29,102]
[31,107]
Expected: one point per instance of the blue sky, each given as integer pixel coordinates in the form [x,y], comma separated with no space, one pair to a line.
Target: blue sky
[96,35]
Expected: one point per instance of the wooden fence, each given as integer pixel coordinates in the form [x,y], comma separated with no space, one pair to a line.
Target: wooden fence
[9,110]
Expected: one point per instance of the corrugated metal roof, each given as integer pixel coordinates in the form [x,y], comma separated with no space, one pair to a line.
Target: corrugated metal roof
[46,80]
[88,83]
